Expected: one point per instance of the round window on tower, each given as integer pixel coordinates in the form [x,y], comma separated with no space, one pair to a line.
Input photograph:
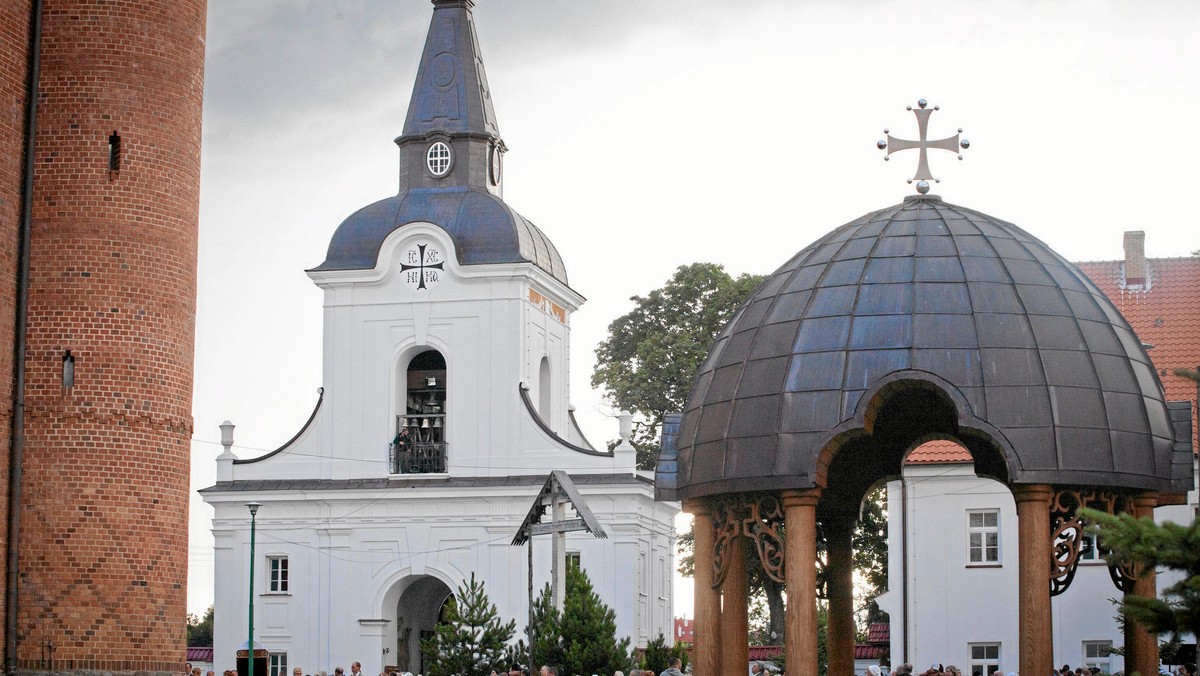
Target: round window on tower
[437,158]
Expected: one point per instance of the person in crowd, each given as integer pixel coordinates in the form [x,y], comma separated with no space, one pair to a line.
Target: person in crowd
[356,669]
[674,668]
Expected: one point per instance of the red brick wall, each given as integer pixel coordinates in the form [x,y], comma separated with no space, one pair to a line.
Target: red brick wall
[104,545]
[14,59]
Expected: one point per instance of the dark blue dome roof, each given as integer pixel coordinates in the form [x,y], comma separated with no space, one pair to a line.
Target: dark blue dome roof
[1014,345]
[483,227]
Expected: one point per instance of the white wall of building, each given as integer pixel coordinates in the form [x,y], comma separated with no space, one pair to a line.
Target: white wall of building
[952,603]
[356,536]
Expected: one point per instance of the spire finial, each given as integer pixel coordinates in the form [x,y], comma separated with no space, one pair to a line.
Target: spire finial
[951,143]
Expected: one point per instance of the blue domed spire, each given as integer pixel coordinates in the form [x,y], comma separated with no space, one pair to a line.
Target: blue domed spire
[451,172]
[451,92]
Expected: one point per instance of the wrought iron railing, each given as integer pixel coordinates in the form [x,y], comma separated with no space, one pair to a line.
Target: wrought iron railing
[417,457]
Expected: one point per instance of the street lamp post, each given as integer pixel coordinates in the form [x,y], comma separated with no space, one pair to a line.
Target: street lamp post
[253,507]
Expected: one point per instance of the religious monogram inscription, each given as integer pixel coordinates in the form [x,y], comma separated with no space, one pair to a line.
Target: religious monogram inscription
[422,267]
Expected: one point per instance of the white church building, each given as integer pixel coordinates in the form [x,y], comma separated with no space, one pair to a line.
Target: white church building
[952,573]
[444,410]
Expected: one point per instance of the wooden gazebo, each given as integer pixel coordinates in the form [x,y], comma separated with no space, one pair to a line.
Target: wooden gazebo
[921,321]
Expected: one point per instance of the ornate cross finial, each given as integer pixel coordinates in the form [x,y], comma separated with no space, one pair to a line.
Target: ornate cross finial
[893,144]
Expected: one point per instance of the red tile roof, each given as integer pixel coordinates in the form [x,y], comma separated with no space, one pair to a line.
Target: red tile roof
[938,451]
[765,652]
[199,654]
[879,632]
[1164,312]
[869,652]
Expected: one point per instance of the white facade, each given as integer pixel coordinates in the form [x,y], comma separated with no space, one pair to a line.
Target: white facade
[954,604]
[370,552]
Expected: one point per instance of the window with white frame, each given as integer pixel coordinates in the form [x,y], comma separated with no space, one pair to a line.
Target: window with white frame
[277,663]
[983,537]
[985,658]
[1089,548]
[1098,654]
[277,575]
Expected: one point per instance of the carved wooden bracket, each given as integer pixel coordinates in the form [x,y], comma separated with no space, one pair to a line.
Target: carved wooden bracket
[759,517]
[1067,534]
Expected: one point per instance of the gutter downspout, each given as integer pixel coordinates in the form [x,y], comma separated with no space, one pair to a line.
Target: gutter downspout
[904,560]
[17,454]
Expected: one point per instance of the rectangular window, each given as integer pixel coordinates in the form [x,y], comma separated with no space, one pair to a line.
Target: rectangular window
[277,575]
[114,152]
[1089,549]
[985,658]
[277,663]
[1097,654]
[983,537]
[574,560]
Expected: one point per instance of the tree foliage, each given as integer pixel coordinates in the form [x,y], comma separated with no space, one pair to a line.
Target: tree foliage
[648,361]
[1145,544]
[471,640]
[658,655]
[583,638]
[200,630]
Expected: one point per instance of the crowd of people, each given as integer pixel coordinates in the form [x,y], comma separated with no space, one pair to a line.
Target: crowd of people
[1065,670]
[674,669]
[756,669]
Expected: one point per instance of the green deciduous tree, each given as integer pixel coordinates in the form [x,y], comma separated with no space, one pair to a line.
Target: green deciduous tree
[200,630]
[1144,543]
[471,640]
[583,638]
[648,361]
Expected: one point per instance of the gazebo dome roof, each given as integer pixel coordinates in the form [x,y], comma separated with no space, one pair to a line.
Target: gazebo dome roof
[957,311]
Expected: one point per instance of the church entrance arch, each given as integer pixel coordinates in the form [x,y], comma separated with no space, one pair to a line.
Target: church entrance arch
[419,607]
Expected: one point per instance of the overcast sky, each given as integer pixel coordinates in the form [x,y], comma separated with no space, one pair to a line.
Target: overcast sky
[648,134]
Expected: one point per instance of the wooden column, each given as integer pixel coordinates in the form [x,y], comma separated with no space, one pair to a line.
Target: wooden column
[1141,647]
[706,650]
[800,572]
[735,621]
[1035,550]
[839,530]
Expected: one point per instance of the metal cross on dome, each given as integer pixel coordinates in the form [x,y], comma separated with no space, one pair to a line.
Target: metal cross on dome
[893,145]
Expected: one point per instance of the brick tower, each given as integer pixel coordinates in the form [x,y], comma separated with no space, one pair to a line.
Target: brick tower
[103,546]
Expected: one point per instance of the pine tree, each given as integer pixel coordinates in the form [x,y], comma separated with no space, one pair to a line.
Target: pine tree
[589,630]
[471,641]
[583,638]
[657,656]
[547,635]
[1146,544]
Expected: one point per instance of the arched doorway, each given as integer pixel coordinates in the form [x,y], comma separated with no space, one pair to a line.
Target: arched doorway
[418,612]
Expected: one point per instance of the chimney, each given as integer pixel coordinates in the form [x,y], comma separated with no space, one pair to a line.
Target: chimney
[1135,258]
